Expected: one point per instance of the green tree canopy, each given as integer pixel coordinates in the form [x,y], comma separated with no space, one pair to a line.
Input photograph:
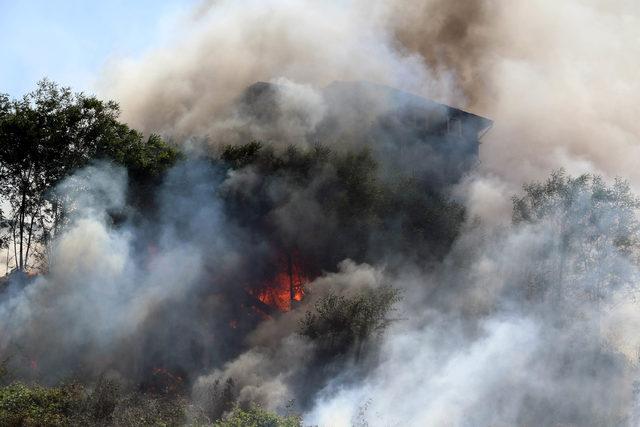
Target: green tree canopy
[593,233]
[44,137]
[341,324]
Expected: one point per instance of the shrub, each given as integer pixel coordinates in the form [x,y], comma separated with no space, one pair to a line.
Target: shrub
[258,417]
[34,405]
[4,372]
[23,405]
[239,156]
[142,410]
[100,404]
[222,396]
[341,324]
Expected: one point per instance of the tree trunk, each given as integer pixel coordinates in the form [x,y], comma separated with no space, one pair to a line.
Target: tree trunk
[6,272]
[30,234]
[292,291]
[561,267]
[21,232]
[23,209]
[15,244]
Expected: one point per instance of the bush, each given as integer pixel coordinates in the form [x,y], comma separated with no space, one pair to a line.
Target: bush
[141,410]
[22,405]
[258,417]
[34,405]
[100,404]
[239,156]
[593,236]
[369,212]
[222,396]
[4,372]
[342,324]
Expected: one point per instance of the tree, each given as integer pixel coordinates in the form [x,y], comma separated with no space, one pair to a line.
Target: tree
[239,156]
[47,135]
[370,214]
[342,324]
[593,233]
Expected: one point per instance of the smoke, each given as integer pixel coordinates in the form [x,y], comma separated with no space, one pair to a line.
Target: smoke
[558,80]
[279,367]
[107,284]
[185,89]
[482,336]
[482,349]
[537,69]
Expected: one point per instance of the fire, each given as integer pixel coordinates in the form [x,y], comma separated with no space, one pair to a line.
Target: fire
[286,286]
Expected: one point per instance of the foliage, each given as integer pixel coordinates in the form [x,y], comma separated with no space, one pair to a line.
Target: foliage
[221,399]
[101,403]
[592,230]
[3,369]
[363,211]
[106,404]
[341,324]
[109,404]
[258,417]
[424,216]
[48,134]
[360,192]
[22,405]
[142,410]
[239,156]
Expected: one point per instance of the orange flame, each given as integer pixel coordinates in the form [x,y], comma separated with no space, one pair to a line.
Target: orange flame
[285,287]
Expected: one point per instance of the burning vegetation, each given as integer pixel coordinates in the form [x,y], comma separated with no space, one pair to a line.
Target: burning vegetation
[180,288]
[287,287]
[276,219]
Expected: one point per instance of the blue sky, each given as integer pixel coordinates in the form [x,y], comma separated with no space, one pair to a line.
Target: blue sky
[69,41]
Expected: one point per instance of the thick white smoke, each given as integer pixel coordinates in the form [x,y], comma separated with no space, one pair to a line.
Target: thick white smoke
[557,79]
[184,89]
[105,283]
[478,351]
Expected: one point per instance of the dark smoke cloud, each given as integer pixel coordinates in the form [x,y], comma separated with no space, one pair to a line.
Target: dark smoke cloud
[450,36]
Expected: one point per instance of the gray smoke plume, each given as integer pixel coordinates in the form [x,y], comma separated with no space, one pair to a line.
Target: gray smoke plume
[106,284]
[535,68]
[485,336]
[482,337]
[484,350]
[228,46]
